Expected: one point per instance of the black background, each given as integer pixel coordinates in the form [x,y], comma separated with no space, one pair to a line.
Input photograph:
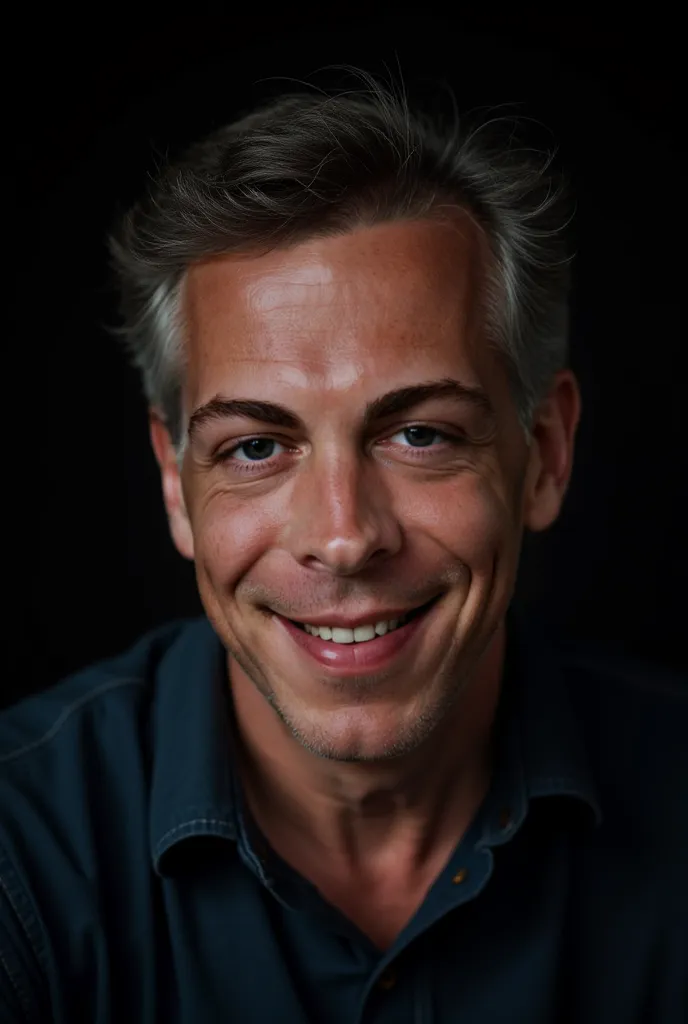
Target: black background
[98,102]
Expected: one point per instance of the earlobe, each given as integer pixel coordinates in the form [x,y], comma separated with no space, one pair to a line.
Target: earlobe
[173,496]
[551,455]
[542,505]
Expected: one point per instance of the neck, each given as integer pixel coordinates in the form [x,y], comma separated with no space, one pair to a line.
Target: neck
[361,817]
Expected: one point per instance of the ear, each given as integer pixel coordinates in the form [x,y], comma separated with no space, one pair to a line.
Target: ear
[551,452]
[166,456]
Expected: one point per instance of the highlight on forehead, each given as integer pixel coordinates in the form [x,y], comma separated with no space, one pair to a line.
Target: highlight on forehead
[439,258]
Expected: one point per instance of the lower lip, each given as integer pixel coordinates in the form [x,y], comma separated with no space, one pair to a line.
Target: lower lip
[368,656]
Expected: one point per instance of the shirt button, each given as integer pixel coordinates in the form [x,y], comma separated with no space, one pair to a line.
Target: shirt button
[387,979]
[460,876]
[505,818]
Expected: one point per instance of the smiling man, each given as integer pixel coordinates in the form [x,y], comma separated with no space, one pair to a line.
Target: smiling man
[360,789]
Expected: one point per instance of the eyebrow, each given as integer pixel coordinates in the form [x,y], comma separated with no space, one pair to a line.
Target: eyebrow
[390,404]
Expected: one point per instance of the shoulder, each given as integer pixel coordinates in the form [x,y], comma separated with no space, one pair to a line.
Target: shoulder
[74,755]
[646,679]
[39,724]
[633,717]
[74,791]
[648,702]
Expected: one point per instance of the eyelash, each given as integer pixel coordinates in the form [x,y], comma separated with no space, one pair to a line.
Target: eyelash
[250,466]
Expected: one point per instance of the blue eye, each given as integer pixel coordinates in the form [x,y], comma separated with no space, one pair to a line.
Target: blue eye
[421,436]
[256,449]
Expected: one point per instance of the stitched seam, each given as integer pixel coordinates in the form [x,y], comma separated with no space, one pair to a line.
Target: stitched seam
[15,978]
[15,983]
[225,825]
[65,714]
[24,922]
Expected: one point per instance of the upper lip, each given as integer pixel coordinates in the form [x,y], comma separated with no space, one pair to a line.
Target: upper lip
[351,621]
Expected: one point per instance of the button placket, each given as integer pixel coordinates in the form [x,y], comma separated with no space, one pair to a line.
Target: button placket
[506,819]
[387,979]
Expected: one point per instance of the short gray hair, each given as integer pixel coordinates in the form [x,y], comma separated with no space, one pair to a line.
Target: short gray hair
[312,164]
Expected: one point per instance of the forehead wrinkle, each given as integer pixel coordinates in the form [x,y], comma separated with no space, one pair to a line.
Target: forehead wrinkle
[320,321]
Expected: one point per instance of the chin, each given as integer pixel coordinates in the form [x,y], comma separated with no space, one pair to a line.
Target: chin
[361,735]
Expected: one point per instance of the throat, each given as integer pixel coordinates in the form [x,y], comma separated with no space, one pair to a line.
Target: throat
[379,912]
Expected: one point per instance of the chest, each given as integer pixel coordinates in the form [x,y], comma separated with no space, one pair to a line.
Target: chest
[379,911]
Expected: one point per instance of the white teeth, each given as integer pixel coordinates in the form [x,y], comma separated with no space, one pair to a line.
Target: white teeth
[342,636]
[364,633]
[361,634]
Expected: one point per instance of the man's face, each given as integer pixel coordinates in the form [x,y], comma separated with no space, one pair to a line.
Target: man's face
[332,493]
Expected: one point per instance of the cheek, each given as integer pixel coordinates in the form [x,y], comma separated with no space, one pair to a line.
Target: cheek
[470,519]
[230,536]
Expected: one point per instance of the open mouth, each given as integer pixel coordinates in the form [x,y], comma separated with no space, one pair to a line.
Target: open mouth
[362,634]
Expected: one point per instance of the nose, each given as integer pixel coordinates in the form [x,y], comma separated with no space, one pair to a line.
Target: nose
[341,517]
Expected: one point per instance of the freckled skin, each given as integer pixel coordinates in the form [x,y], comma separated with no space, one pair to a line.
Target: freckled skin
[342,520]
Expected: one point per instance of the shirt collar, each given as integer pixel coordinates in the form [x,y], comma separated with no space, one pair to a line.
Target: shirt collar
[192,786]
[539,748]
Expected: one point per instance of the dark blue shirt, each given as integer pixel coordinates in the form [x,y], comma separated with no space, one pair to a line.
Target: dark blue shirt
[134,887]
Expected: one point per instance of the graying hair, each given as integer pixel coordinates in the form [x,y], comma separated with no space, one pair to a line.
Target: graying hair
[312,164]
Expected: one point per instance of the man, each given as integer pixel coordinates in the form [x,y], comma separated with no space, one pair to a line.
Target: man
[361,789]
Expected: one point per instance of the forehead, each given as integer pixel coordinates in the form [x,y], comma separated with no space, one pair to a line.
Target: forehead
[375,305]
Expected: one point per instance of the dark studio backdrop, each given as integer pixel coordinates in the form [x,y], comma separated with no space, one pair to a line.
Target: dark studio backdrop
[100,103]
